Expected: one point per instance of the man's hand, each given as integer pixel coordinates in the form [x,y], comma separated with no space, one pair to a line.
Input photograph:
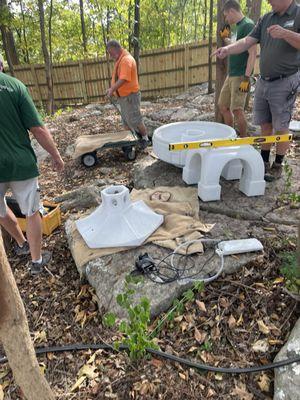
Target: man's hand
[221,52]
[245,85]
[109,92]
[225,32]
[58,163]
[277,31]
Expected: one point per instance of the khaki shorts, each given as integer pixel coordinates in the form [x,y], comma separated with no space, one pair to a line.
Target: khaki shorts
[27,194]
[230,95]
[131,110]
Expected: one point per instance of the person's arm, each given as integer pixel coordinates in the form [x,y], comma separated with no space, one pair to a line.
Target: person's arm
[251,60]
[292,38]
[235,48]
[44,137]
[115,87]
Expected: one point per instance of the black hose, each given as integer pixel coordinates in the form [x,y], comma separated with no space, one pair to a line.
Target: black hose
[158,353]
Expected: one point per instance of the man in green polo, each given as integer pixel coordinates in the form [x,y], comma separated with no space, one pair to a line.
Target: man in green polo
[278,33]
[240,67]
[18,166]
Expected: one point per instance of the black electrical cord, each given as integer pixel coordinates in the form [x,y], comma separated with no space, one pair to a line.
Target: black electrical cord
[171,357]
[153,268]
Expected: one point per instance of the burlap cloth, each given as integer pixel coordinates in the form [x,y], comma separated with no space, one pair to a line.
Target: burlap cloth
[181,223]
[87,144]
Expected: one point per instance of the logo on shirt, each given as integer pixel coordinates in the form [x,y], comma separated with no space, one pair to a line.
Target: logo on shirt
[4,87]
[289,24]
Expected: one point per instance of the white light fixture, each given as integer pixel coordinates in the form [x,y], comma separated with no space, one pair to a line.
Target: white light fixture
[118,222]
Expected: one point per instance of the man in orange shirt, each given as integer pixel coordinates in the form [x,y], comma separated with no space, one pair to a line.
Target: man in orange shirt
[125,86]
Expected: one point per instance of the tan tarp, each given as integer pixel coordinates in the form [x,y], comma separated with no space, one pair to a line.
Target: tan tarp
[87,144]
[181,222]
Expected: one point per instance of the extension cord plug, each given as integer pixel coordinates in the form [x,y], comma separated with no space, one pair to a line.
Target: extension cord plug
[228,247]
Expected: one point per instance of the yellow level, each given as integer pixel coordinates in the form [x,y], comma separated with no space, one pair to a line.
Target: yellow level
[230,142]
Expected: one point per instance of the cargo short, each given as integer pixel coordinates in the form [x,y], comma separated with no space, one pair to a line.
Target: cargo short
[26,193]
[272,103]
[131,110]
[230,95]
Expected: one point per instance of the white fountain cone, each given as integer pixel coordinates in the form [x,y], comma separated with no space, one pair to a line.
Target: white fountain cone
[118,222]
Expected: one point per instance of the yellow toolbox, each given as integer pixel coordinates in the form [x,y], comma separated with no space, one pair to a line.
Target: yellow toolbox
[50,220]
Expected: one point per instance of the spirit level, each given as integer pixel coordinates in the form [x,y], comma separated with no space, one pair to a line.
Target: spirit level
[229,142]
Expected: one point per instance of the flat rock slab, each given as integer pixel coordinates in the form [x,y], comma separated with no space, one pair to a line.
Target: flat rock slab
[287,379]
[107,275]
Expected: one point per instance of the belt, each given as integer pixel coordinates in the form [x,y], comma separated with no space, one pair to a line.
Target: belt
[276,78]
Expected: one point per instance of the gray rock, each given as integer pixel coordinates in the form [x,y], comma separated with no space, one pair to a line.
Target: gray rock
[151,125]
[150,172]
[96,113]
[111,271]
[205,117]
[146,104]
[94,106]
[163,115]
[287,379]
[80,199]
[184,114]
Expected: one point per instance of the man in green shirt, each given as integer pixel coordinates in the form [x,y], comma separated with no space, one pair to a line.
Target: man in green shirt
[240,67]
[18,166]
[278,33]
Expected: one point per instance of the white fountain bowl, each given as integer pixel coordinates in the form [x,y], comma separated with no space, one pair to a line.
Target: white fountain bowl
[186,132]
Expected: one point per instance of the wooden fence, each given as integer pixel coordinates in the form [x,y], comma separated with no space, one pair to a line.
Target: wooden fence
[162,72]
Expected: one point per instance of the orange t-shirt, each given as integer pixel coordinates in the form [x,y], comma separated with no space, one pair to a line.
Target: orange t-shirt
[125,68]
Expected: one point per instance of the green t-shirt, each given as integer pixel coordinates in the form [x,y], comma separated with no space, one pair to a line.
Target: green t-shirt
[238,62]
[17,115]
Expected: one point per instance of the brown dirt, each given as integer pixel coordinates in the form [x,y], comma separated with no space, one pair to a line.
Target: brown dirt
[218,327]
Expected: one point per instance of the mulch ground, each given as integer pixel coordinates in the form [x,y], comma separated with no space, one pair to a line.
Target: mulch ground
[240,320]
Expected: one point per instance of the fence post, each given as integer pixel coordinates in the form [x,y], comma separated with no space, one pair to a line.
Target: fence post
[186,66]
[83,83]
[36,84]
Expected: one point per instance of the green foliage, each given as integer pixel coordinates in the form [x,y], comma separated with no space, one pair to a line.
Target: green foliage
[291,271]
[135,329]
[178,306]
[163,23]
[288,194]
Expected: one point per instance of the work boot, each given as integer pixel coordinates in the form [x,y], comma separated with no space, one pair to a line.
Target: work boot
[37,268]
[21,251]
[144,142]
[274,173]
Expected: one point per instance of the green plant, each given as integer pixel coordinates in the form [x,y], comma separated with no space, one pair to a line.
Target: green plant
[135,328]
[287,194]
[42,111]
[291,271]
[178,306]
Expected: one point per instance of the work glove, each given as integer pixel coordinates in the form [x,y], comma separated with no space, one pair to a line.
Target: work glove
[245,85]
[225,32]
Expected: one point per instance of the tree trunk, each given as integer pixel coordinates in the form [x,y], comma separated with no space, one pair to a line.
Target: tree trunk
[8,38]
[26,53]
[205,20]
[221,65]
[15,337]
[298,249]
[83,30]
[254,9]
[136,33]
[48,65]
[210,46]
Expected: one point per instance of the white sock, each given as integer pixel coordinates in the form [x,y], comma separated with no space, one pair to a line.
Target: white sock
[39,261]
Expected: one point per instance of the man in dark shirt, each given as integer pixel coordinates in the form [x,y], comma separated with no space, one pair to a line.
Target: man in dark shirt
[18,167]
[278,33]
